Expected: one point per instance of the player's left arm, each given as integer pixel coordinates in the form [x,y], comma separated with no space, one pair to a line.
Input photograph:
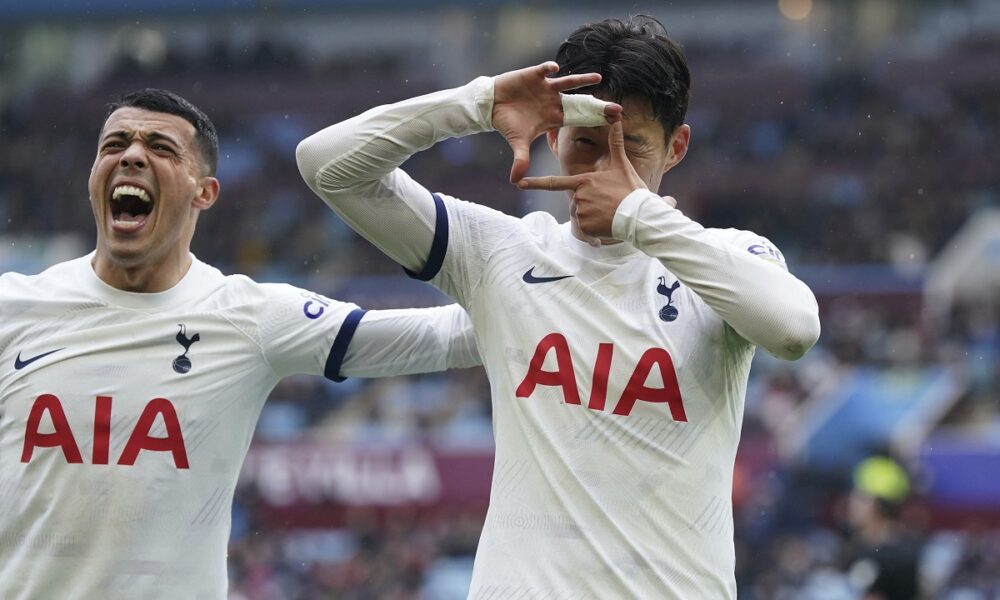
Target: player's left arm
[411,340]
[744,280]
[758,298]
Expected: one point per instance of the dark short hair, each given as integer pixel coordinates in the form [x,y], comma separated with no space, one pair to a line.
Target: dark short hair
[635,59]
[164,101]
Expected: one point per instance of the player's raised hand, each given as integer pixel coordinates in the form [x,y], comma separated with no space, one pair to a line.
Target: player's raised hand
[596,195]
[526,104]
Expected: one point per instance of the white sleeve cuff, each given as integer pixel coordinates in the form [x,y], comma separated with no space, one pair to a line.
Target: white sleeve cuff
[623,224]
[482,96]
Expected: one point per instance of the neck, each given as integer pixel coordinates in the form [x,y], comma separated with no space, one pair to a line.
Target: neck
[147,277]
[578,233]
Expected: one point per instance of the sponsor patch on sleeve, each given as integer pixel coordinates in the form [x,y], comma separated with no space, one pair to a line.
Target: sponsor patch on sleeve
[765,250]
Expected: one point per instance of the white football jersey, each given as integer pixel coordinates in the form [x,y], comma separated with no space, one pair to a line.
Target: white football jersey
[617,406]
[617,373]
[124,420]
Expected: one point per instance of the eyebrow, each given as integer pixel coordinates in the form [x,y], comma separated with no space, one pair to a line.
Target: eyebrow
[152,136]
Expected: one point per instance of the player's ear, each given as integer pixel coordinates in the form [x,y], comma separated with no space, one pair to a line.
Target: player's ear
[552,137]
[677,146]
[207,194]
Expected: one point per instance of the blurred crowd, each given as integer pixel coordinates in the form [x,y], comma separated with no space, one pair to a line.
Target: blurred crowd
[877,158]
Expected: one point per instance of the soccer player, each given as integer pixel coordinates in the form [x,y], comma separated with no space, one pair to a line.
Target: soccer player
[618,344]
[135,375]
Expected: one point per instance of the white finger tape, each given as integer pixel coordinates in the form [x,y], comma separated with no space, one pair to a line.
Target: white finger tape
[583,110]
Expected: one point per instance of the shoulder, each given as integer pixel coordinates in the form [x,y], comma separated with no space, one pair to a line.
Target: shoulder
[752,243]
[488,223]
[465,209]
[11,282]
[277,299]
[540,222]
[241,289]
[236,285]
[54,279]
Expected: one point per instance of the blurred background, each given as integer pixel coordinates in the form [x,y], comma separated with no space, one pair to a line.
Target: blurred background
[858,135]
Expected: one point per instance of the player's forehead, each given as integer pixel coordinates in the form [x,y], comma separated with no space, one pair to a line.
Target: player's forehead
[133,121]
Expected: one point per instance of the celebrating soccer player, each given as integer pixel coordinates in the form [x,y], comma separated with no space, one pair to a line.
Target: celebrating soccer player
[618,344]
[135,375]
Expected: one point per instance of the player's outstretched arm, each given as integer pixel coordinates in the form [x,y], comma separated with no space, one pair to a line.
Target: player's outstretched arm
[353,165]
[759,299]
[414,340]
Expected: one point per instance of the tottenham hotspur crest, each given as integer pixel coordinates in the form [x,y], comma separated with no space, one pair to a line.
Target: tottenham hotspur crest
[669,312]
[182,364]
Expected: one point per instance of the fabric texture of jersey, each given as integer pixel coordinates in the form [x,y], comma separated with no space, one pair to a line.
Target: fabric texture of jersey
[617,373]
[124,419]
[591,492]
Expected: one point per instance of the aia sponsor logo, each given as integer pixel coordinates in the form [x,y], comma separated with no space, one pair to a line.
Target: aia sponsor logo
[635,390]
[48,408]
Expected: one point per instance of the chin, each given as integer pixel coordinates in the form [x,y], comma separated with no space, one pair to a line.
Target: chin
[125,255]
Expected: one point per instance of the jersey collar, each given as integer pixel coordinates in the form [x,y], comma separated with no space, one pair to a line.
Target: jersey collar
[192,286]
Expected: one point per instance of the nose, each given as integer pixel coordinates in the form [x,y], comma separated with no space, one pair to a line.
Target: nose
[133,157]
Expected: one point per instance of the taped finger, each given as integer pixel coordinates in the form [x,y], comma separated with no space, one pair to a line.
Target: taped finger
[583,110]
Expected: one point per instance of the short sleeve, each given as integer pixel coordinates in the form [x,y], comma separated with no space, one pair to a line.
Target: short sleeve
[304,332]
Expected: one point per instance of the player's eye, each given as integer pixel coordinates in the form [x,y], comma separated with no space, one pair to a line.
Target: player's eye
[583,141]
[162,148]
[113,145]
[638,150]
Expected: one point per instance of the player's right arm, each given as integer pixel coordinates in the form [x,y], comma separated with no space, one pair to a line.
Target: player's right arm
[354,165]
[300,331]
[411,340]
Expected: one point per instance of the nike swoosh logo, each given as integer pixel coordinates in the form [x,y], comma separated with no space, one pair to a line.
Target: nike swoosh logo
[529,277]
[20,364]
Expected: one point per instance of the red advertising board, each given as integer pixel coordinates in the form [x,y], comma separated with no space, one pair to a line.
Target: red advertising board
[309,484]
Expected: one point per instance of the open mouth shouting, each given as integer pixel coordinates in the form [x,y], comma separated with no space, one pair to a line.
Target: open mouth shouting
[130,207]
